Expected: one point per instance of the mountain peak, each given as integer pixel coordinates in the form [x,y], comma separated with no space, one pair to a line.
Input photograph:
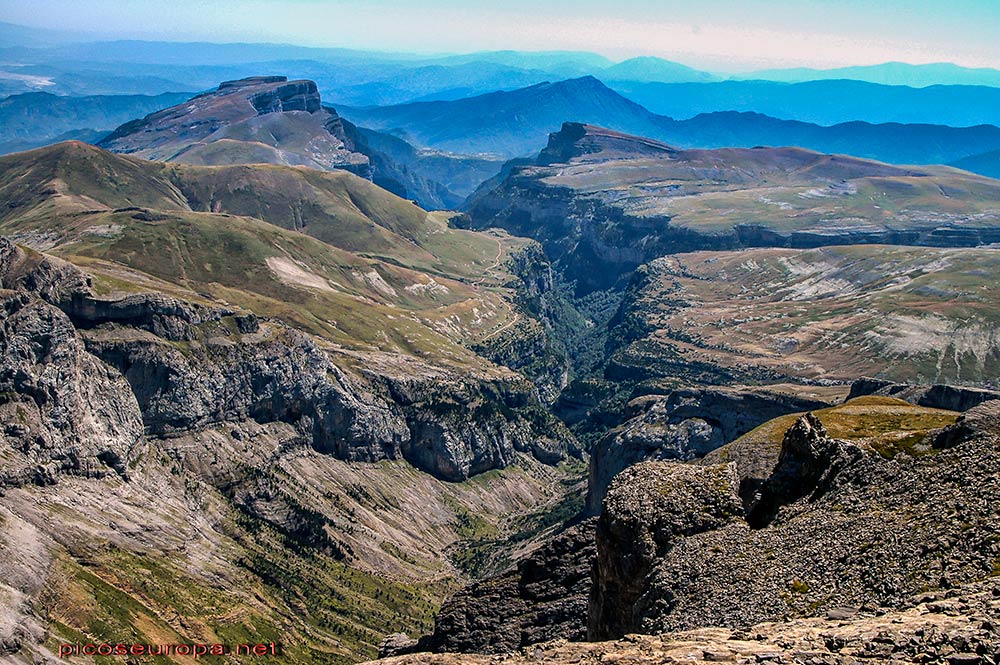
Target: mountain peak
[259,119]
[583,82]
[580,142]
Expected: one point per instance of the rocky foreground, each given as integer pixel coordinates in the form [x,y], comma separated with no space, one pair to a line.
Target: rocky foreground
[958,627]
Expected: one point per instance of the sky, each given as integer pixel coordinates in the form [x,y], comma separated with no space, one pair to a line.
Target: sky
[722,35]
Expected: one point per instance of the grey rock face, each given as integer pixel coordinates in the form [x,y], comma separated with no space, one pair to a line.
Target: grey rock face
[62,409]
[293,96]
[836,524]
[937,396]
[683,425]
[545,597]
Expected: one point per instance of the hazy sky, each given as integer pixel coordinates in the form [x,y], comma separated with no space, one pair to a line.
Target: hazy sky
[719,34]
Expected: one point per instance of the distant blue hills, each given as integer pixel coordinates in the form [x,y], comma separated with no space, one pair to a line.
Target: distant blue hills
[517,123]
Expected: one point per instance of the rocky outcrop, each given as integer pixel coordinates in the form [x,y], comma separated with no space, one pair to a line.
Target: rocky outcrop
[648,508]
[63,410]
[576,142]
[937,396]
[683,425]
[836,524]
[543,598]
[294,96]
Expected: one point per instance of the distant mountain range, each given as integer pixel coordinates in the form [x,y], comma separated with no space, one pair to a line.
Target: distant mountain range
[822,102]
[507,124]
[987,163]
[437,152]
[517,123]
[65,63]
[889,73]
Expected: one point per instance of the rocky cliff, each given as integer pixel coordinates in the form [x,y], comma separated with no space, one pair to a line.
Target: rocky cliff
[189,366]
[543,598]
[937,396]
[684,425]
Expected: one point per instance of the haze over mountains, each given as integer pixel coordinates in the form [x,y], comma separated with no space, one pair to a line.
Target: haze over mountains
[514,124]
[356,82]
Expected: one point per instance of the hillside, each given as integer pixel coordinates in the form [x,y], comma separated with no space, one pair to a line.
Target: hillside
[906,314]
[245,227]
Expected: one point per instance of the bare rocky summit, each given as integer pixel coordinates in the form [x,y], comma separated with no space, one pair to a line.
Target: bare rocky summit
[836,523]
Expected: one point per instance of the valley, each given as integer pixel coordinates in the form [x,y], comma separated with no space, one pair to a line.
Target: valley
[495,356]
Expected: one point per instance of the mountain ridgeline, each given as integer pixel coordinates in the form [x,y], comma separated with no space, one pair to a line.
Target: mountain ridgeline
[270,120]
[516,124]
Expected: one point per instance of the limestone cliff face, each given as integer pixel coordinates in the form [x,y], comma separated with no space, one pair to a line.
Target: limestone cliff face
[294,96]
[938,396]
[62,409]
[650,507]
[683,425]
[836,524]
[186,366]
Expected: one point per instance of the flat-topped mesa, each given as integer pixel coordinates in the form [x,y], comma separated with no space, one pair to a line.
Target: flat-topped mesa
[578,142]
[252,80]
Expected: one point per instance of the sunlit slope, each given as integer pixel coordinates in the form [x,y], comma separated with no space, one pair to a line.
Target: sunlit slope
[328,252]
